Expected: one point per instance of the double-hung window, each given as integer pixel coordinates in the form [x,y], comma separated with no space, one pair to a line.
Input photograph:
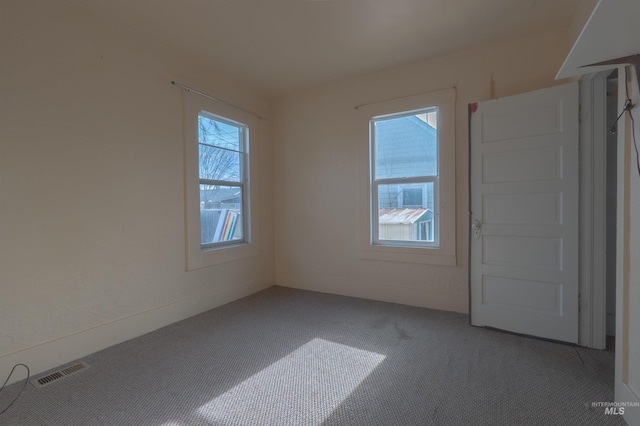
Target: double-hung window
[222,156]
[219,163]
[409,149]
[404,178]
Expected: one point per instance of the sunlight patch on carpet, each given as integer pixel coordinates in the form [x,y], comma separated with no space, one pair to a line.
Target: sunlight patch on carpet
[304,387]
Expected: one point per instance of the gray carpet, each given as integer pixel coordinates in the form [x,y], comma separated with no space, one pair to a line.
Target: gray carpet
[291,357]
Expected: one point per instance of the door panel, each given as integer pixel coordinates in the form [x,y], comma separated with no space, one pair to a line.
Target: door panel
[531,120]
[523,251]
[524,200]
[522,166]
[543,208]
[522,294]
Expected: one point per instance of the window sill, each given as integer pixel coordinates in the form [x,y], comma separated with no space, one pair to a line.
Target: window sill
[217,255]
[423,255]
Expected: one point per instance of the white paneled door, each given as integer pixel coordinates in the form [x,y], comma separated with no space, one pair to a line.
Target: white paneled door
[524,213]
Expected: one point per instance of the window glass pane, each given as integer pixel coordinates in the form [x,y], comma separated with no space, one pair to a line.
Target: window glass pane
[406,146]
[218,133]
[219,164]
[412,197]
[220,214]
[405,211]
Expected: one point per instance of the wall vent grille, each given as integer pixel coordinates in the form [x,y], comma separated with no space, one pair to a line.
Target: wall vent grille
[59,374]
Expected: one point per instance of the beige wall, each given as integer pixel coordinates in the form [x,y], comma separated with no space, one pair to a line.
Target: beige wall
[92,239]
[317,142]
[628,256]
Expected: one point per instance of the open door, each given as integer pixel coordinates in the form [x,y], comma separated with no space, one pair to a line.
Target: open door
[524,189]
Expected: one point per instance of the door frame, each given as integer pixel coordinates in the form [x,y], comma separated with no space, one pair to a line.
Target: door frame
[593,214]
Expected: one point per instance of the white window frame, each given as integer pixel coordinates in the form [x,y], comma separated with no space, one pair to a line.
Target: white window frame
[445,252]
[197,255]
[242,183]
[376,182]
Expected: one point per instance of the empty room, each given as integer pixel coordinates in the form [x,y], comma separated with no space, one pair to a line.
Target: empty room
[319,212]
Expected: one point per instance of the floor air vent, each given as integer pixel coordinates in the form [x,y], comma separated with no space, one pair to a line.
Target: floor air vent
[60,374]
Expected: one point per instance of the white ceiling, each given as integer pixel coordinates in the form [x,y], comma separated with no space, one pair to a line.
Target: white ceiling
[283,45]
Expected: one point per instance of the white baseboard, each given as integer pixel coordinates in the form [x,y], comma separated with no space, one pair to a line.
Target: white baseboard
[421,297]
[65,349]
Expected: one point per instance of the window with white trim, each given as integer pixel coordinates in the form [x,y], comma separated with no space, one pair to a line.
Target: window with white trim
[405,178]
[222,156]
[220,160]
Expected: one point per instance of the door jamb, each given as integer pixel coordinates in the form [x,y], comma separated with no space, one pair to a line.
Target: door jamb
[593,218]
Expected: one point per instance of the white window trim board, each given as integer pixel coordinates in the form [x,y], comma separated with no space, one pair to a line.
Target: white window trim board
[195,256]
[445,254]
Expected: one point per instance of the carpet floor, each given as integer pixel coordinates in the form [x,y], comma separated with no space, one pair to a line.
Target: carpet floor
[293,357]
